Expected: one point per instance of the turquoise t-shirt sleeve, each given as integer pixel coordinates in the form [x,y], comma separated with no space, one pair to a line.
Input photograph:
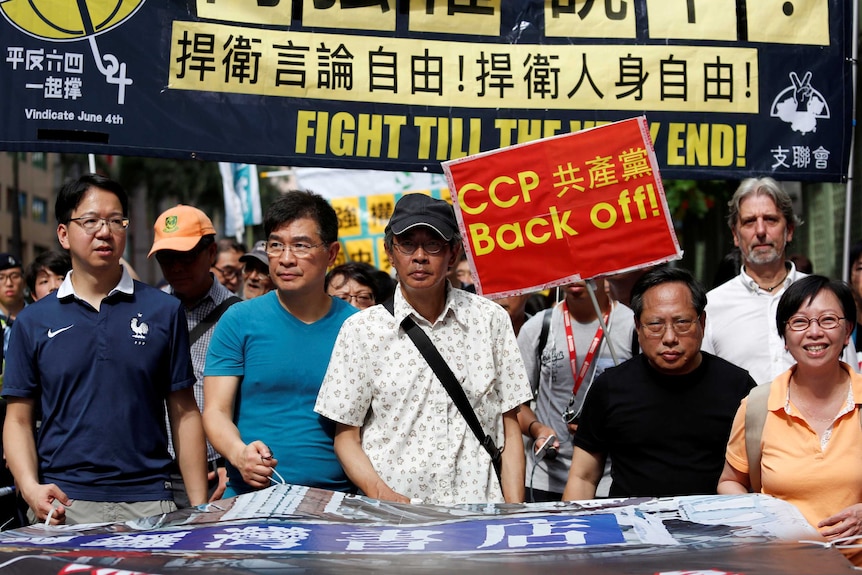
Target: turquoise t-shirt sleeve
[225,355]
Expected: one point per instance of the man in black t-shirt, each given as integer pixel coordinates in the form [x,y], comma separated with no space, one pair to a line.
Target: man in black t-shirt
[664,416]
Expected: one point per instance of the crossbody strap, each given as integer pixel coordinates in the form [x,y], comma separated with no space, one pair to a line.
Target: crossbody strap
[444,373]
[211,318]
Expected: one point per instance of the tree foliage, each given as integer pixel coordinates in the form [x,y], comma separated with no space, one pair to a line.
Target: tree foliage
[695,198]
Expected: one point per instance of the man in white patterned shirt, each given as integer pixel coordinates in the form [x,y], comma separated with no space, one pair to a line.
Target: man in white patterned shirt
[399,436]
[185,248]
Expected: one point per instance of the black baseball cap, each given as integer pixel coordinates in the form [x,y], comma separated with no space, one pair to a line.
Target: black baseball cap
[420,210]
[258,252]
[8,261]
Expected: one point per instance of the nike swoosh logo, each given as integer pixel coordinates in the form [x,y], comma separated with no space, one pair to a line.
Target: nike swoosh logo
[52,333]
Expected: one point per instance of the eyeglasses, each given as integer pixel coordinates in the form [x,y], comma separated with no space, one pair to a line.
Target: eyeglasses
[299,249]
[228,273]
[409,248]
[680,327]
[93,224]
[825,321]
[11,276]
[360,298]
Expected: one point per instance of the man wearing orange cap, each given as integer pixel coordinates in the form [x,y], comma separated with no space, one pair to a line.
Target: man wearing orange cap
[185,247]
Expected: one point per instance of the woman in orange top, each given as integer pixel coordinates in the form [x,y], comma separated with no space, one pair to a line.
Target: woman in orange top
[811,443]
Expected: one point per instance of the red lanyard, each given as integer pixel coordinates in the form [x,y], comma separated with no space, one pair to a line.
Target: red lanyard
[573,355]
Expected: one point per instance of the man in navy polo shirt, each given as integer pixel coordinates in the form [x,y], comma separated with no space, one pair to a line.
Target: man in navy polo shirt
[103,356]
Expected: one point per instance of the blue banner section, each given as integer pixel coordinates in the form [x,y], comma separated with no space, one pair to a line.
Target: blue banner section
[291,528]
[536,533]
[731,88]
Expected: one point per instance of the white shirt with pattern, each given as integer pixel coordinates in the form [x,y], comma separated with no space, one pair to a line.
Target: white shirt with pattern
[414,435]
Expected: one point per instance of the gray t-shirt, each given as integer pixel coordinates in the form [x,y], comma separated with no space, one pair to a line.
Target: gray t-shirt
[556,380]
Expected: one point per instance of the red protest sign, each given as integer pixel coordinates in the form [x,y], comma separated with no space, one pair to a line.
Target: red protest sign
[570,207]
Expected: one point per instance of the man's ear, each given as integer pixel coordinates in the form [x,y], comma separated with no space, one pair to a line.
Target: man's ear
[213,250]
[63,235]
[334,248]
[454,257]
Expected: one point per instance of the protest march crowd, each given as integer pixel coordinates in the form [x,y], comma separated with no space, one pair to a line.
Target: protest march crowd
[252,368]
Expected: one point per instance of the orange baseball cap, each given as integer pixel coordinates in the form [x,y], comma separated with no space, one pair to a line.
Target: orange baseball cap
[180,229]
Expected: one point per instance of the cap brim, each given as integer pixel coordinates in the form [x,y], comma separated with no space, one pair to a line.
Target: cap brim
[175,244]
[445,231]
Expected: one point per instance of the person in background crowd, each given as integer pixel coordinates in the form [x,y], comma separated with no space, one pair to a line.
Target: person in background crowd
[355,283]
[227,267]
[460,276]
[809,440]
[268,356]
[742,310]
[802,263]
[663,416]
[400,437]
[576,350]
[515,306]
[255,273]
[103,357]
[11,294]
[464,274]
[856,286]
[46,273]
[620,285]
[184,245]
[385,285]
[728,268]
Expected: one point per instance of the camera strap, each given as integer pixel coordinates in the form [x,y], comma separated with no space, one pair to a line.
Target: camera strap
[444,373]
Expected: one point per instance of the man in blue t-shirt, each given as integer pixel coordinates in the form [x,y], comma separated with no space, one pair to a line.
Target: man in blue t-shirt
[268,356]
[103,357]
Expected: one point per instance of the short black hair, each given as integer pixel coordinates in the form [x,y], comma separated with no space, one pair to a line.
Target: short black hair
[302,204]
[57,262]
[804,290]
[363,273]
[662,275]
[73,191]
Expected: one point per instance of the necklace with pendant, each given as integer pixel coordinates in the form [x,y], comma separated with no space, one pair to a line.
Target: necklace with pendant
[769,289]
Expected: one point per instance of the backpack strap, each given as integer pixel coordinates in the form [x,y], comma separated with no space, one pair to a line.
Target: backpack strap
[755,416]
[543,341]
[211,318]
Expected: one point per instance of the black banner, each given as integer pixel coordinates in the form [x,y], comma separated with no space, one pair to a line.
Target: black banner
[731,88]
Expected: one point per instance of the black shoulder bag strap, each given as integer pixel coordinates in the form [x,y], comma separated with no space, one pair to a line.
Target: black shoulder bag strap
[441,369]
[211,318]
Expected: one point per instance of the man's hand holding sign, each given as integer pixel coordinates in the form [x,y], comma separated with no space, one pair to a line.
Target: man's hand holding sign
[552,211]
